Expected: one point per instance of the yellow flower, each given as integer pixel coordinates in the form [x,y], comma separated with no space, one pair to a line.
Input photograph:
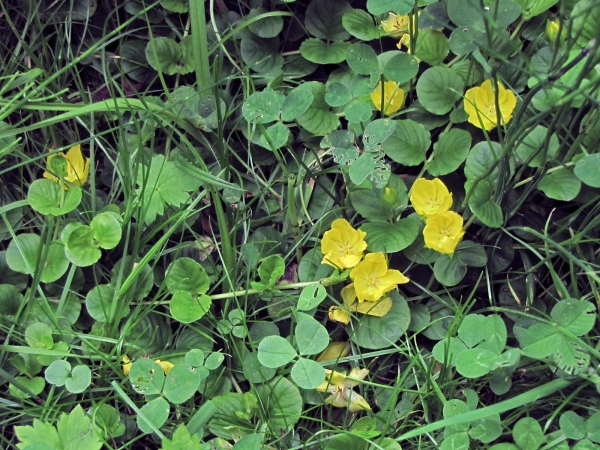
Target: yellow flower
[77,167]
[480,105]
[552,31]
[340,387]
[343,246]
[443,232]
[430,197]
[378,309]
[372,278]
[397,25]
[391,95]
[166,366]
[334,351]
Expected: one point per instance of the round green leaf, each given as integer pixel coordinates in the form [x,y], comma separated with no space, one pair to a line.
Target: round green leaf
[176,6]
[482,205]
[308,374]
[146,377]
[266,27]
[438,89]
[360,24]
[382,332]
[22,256]
[377,7]
[318,52]
[156,411]
[587,169]
[80,379]
[81,248]
[455,407]
[275,351]
[475,362]
[107,230]
[465,39]
[337,94]
[358,111]
[46,197]
[263,107]
[296,104]
[181,383]
[186,307]
[164,55]
[310,267]
[261,55]
[134,62]
[10,300]
[586,21]
[533,144]
[528,434]
[472,13]
[401,68]
[593,427]
[58,372]
[318,118]
[39,335]
[487,429]
[432,47]
[311,297]
[409,143]
[195,357]
[471,254]
[449,152]
[311,336]
[573,425]
[99,300]
[35,385]
[562,184]
[214,360]
[576,316]
[254,371]
[377,132]
[449,271]
[283,404]
[185,274]
[362,59]
[390,238]
[278,136]
[324,19]
[447,350]
[144,278]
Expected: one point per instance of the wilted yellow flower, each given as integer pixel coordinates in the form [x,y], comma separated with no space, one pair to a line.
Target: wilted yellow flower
[77,167]
[480,105]
[340,387]
[342,245]
[443,232]
[396,25]
[334,351]
[391,95]
[372,278]
[341,314]
[166,366]
[430,197]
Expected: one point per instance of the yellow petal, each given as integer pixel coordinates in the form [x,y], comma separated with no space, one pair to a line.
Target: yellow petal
[79,167]
[355,374]
[332,381]
[378,309]
[337,314]
[443,232]
[127,366]
[430,197]
[166,366]
[343,246]
[390,95]
[335,351]
[357,403]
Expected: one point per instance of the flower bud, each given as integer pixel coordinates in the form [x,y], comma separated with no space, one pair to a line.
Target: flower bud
[553,28]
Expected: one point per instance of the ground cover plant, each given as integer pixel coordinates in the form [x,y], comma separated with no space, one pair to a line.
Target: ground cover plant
[300,224]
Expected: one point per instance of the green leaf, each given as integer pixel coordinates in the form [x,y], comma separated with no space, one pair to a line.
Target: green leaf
[495,333]
[534,143]
[539,340]
[311,336]
[409,143]
[586,21]
[471,330]
[360,24]
[446,350]
[58,372]
[362,59]
[181,383]
[561,184]
[39,335]
[278,135]
[475,362]
[282,402]
[484,207]
[10,300]
[470,13]
[382,332]
[275,351]
[34,385]
[39,433]
[182,440]
[254,371]
[449,152]
[465,39]
[587,170]
[249,442]
[401,7]
[263,107]
[311,269]
[487,429]
[311,297]
[186,307]
[457,441]
[22,256]
[572,425]
[185,274]
[391,238]
[318,52]
[261,54]
[432,47]
[345,442]
[372,166]
[46,197]
[107,230]
[528,434]
[81,248]
[80,379]
[377,132]
[98,303]
[156,411]
[401,68]
[575,316]
[266,27]
[318,118]
[270,270]
[471,254]
[481,158]
[449,271]
[324,19]
[593,427]
[296,104]
[337,94]
[214,360]
[358,111]
[532,8]
[455,407]
[176,6]
[308,374]
[438,89]
[146,377]
[163,184]
[164,55]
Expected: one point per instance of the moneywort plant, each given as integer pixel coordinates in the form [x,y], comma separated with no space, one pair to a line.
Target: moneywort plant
[368,224]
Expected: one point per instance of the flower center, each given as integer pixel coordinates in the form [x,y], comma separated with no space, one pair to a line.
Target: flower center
[434,203]
[372,281]
[345,247]
[445,233]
